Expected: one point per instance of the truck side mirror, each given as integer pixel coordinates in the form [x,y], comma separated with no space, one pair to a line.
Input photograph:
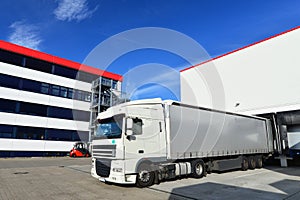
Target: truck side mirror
[129,124]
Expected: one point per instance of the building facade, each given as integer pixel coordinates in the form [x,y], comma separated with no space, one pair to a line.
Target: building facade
[259,79]
[45,101]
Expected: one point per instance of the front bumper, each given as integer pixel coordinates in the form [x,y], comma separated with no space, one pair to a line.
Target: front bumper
[111,171]
[120,179]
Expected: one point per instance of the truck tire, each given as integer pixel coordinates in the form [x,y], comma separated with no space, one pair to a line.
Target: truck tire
[145,176]
[259,162]
[198,168]
[245,164]
[252,162]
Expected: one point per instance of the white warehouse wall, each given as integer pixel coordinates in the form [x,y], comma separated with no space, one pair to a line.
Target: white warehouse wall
[261,78]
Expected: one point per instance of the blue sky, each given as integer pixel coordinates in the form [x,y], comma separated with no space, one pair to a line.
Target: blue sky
[73,28]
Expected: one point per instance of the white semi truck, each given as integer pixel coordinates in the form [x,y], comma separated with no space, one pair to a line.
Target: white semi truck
[146,141]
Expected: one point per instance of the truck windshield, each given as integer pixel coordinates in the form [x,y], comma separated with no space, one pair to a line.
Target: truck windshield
[110,128]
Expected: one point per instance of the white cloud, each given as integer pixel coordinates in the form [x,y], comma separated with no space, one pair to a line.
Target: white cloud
[149,89]
[151,81]
[69,10]
[25,35]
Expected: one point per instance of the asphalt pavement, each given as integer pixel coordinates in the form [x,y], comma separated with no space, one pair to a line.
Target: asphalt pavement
[69,178]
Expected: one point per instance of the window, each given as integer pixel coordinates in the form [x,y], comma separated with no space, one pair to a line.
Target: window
[8,106]
[78,95]
[6,131]
[38,65]
[45,88]
[9,81]
[63,92]
[55,90]
[25,108]
[80,115]
[110,127]
[11,58]
[56,134]
[33,109]
[34,133]
[81,136]
[32,86]
[114,84]
[60,113]
[76,137]
[65,72]
[24,132]
[105,81]
[137,126]
[70,93]
[86,77]
[87,97]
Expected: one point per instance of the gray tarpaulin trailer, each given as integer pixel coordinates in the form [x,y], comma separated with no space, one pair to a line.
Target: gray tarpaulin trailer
[197,132]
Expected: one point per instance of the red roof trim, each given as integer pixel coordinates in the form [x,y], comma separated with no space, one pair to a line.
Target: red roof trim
[56,60]
[231,52]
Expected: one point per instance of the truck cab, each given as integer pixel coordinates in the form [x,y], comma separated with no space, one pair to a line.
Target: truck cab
[128,136]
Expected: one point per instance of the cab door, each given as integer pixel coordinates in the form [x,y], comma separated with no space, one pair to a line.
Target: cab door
[144,138]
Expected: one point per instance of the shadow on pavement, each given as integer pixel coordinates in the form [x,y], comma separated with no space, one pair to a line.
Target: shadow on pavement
[221,191]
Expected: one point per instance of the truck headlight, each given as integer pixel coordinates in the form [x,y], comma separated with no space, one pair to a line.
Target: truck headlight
[117,170]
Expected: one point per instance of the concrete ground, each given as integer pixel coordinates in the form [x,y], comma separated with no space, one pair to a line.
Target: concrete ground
[69,178]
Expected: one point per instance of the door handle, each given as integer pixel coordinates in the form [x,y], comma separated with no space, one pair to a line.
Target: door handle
[141,151]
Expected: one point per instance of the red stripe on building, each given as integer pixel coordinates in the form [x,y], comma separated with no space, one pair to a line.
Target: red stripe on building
[250,45]
[56,60]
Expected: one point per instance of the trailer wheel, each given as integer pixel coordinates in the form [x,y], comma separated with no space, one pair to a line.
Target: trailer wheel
[145,176]
[198,168]
[245,164]
[259,161]
[252,162]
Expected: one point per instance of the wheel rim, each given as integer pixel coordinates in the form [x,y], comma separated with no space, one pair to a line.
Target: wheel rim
[144,176]
[245,164]
[259,162]
[199,169]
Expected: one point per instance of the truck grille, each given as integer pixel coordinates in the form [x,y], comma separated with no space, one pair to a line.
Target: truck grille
[103,167]
[107,151]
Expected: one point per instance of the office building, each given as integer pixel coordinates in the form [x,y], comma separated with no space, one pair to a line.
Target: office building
[45,101]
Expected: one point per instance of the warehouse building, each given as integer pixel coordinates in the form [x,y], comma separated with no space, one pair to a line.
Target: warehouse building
[260,79]
[45,101]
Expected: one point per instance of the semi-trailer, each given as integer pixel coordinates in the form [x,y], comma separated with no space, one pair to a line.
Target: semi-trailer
[147,141]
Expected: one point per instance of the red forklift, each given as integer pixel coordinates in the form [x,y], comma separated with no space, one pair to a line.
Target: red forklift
[80,150]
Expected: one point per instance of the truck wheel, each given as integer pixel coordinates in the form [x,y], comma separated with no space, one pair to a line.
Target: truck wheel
[259,162]
[198,168]
[252,162]
[245,164]
[145,176]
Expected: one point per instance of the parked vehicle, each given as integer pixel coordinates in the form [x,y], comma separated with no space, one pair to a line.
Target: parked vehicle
[147,141]
[80,150]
